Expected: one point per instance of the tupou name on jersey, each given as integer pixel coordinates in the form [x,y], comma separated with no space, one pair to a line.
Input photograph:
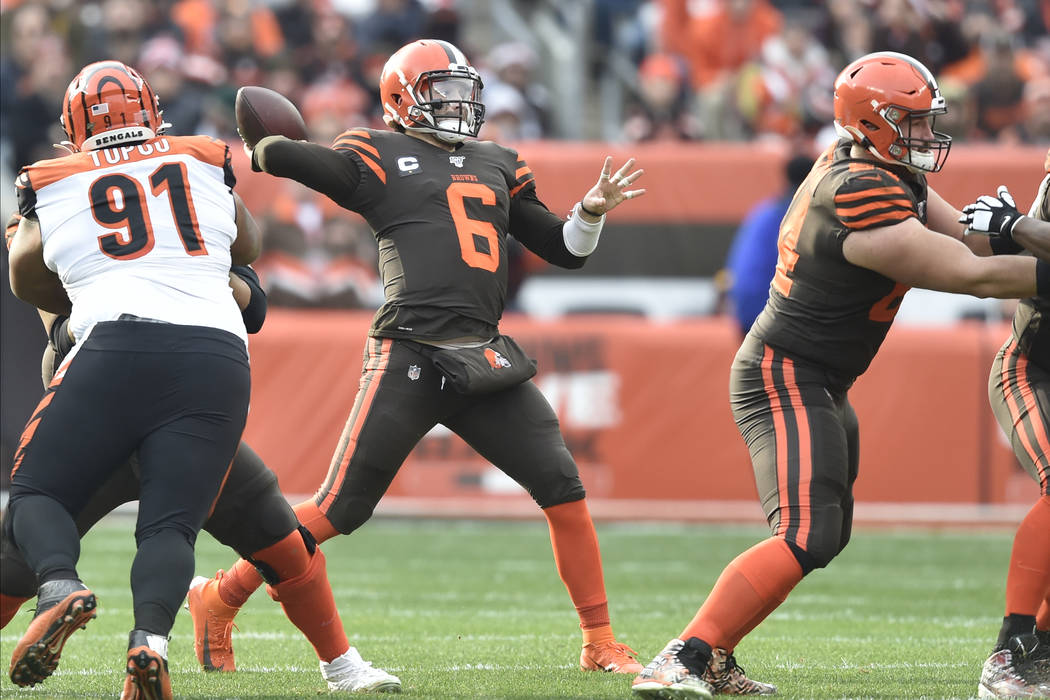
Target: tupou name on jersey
[116,154]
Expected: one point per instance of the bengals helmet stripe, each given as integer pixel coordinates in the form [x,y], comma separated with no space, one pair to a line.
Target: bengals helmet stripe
[108,103]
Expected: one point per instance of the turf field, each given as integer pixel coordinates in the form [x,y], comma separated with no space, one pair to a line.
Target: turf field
[476,610]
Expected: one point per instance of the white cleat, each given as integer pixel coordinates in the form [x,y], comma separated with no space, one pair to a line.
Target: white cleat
[351,672]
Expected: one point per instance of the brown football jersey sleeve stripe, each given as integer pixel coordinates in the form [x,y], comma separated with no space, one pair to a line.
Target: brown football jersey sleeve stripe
[352,141]
[879,217]
[521,186]
[367,158]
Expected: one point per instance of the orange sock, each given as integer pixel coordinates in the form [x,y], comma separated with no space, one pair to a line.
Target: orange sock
[243,579]
[308,602]
[237,585]
[751,587]
[315,521]
[1029,575]
[9,605]
[579,562]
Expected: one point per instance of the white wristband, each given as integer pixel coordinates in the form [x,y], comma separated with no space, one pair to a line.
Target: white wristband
[580,236]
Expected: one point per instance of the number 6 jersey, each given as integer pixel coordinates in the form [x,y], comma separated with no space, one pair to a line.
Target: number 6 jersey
[441,220]
[142,229]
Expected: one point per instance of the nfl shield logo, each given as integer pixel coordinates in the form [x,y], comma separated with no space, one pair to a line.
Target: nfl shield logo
[413,372]
[457,160]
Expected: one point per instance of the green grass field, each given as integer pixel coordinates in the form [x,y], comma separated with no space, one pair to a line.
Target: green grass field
[476,610]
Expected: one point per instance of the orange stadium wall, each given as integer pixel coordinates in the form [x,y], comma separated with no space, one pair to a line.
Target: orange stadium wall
[644,408]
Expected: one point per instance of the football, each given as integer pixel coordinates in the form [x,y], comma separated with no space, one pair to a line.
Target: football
[263,112]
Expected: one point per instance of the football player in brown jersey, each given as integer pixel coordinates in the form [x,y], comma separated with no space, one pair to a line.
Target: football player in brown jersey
[1019,391]
[861,230]
[441,206]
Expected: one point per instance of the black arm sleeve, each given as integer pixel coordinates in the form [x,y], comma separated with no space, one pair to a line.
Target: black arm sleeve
[255,313]
[333,174]
[58,334]
[540,230]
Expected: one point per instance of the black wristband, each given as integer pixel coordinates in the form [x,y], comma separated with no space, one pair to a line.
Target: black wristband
[588,212]
[255,313]
[1042,278]
[1004,245]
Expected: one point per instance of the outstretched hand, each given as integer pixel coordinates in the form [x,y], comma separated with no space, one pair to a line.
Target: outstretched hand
[611,190]
[995,215]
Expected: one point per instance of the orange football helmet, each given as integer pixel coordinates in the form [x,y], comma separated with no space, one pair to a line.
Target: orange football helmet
[108,104]
[877,97]
[429,86]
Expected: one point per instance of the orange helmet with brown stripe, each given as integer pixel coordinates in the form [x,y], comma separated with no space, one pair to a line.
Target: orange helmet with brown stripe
[429,86]
[878,96]
[108,103]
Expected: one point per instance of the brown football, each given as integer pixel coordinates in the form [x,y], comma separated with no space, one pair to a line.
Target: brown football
[262,112]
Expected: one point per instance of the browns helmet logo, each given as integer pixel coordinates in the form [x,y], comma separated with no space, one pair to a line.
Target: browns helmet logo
[108,103]
[496,359]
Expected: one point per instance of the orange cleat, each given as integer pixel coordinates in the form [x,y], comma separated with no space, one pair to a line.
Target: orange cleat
[37,652]
[611,656]
[147,669]
[212,624]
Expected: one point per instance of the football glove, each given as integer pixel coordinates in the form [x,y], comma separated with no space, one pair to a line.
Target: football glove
[989,214]
[997,217]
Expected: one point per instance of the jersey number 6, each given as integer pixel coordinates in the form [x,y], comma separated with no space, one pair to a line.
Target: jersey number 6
[474,236]
[129,216]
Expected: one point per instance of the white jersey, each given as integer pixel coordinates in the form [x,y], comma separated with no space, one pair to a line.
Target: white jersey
[144,230]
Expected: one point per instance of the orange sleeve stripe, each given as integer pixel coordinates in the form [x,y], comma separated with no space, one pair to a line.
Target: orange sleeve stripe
[894,217]
[375,167]
[522,171]
[359,132]
[352,142]
[517,189]
[858,209]
[870,192]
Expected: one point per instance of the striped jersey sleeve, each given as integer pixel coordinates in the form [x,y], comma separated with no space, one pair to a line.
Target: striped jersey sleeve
[873,198]
[359,141]
[522,177]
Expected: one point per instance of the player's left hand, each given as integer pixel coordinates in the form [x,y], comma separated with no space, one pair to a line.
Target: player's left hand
[995,215]
[611,190]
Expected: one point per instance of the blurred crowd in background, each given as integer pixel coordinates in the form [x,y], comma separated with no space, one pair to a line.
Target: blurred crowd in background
[612,70]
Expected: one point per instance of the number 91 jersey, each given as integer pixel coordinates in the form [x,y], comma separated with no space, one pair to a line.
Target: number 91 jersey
[142,229]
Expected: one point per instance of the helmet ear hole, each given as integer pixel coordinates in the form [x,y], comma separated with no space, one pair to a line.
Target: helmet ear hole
[872,126]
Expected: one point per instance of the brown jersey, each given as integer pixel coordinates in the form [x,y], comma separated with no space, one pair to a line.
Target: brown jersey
[441,220]
[823,309]
[1031,325]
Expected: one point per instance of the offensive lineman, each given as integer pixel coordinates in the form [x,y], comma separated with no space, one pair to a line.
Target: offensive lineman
[861,230]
